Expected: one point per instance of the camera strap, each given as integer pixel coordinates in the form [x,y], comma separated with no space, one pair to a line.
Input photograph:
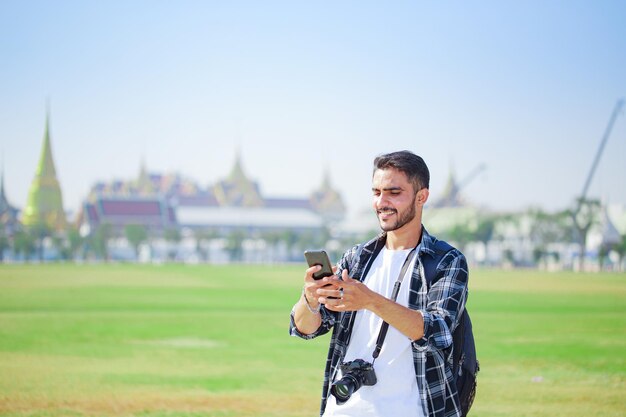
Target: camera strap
[396,289]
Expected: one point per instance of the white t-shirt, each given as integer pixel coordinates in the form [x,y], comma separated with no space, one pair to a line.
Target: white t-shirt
[395,394]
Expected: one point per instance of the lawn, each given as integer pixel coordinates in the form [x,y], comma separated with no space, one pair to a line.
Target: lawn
[203,341]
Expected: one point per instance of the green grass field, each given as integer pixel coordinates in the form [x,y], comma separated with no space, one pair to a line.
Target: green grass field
[173,341]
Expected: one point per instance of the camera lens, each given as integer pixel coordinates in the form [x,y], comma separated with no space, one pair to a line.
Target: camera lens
[343,389]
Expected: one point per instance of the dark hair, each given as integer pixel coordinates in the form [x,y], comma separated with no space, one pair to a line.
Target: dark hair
[412,165]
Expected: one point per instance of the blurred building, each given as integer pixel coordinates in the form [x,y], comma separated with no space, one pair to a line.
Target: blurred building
[154,213]
[451,210]
[44,207]
[9,222]
[233,204]
[231,219]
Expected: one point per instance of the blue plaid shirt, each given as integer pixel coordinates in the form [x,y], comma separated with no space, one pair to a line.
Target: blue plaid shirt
[441,305]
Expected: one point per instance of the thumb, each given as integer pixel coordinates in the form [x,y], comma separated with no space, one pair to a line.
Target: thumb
[345,276]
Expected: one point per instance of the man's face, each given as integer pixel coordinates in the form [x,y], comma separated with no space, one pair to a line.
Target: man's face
[394,199]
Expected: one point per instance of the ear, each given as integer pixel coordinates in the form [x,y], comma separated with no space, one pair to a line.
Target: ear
[422,196]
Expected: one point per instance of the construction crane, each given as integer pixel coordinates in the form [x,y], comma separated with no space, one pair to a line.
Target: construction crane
[605,138]
[450,196]
[585,210]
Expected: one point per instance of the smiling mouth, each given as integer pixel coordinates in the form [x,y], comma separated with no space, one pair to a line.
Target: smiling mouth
[385,212]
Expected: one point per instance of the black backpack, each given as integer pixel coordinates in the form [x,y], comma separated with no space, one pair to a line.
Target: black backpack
[465,366]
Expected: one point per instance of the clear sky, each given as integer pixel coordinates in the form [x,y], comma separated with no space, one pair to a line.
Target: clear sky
[526,88]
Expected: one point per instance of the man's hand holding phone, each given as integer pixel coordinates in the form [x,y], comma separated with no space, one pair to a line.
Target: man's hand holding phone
[319,258]
[320,274]
[337,293]
[311,285]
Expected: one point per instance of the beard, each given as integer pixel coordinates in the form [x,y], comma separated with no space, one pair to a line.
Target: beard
[402,218]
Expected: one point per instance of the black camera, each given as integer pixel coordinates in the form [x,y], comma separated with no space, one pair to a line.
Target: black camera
[355,374]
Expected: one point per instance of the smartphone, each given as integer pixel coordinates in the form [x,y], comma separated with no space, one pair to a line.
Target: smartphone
[319,257]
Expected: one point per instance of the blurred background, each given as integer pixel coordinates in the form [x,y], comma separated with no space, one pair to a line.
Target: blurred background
[164,165]
[244,131]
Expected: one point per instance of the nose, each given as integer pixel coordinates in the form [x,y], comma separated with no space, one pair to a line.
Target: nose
[380,201]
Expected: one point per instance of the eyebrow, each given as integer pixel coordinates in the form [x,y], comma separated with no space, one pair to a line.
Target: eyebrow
[389,189]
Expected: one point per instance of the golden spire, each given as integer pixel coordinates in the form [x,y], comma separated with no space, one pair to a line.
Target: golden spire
[327,201]
[238,189]
[45,202]
[144,184]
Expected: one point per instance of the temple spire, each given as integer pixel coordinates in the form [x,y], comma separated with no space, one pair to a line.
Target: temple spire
[237,189]
[327,201]
[45,203]
[8,214]
[144,184]
[46,166]
[237,173]
[4,202]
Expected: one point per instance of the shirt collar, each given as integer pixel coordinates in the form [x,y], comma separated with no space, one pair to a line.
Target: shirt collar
[426,245]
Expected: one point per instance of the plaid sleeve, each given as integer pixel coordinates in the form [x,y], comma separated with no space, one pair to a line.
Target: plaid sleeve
[329,318]
[328,321]
[445,302]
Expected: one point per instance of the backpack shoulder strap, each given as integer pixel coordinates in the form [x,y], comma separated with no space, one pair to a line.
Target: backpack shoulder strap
[465,366]
[356,257]
[430,263]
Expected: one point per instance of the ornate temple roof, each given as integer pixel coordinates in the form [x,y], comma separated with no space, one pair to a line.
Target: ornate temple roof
[5,206]
[144,184]
[122,211]
[161,201]
[8,213]
[327,201]
[45,202]
[237,189]
[450,196]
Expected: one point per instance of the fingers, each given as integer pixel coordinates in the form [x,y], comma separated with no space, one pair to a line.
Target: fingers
[330,292]
[311,284]
[308,274]
[345,276]
[339,304]
[346,294]
[333,294]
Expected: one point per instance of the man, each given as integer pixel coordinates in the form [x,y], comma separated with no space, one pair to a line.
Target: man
[413,370]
